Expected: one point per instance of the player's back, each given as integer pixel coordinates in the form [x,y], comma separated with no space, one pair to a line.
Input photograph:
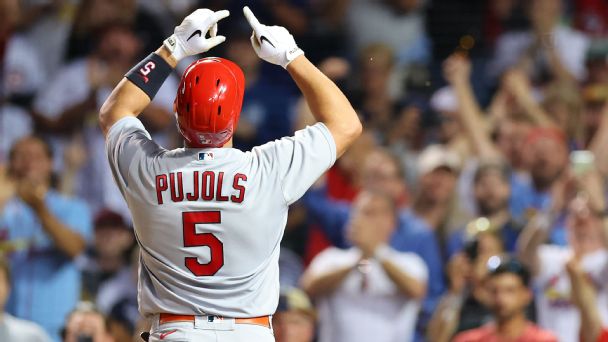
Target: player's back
[209,221]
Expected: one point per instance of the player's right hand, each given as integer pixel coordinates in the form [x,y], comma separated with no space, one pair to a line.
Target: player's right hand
[190,37]
[274,44]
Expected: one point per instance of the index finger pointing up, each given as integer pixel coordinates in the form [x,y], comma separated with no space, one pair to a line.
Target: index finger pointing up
[253,21]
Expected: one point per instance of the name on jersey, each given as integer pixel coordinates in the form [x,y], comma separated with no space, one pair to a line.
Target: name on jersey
[206,186]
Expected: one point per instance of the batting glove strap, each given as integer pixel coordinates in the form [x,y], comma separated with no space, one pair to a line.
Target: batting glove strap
[176,49]
[190,37]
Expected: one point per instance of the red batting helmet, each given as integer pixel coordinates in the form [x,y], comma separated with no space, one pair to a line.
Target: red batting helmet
[208,102]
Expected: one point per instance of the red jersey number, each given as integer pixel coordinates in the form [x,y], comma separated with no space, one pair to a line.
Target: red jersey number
[194,239]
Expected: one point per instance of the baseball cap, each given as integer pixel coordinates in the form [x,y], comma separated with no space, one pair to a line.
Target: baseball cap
[498,265]
[551,133]
[109,218]
[444,100]
[436,156]
[294,299]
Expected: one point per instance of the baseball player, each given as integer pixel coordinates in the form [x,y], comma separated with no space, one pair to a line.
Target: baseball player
[209,218]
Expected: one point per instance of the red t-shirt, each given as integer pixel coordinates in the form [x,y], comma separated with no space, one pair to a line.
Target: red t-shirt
[603,336]
[487,333]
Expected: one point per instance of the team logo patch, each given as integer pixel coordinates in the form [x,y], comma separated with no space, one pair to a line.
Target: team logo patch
[205,156]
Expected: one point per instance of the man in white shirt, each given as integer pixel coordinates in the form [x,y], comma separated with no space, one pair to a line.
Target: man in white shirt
[547,47]
[11,328]
[369,292]
[554,306]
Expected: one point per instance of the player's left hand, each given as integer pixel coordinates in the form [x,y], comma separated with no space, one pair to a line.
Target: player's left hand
[274,44]
[190,37]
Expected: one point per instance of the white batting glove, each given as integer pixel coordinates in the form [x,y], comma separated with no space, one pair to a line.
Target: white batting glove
[274,44]
[190,37]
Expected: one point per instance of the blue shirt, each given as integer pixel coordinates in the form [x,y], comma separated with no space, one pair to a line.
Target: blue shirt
[525,198]
[412,235]
[45,282]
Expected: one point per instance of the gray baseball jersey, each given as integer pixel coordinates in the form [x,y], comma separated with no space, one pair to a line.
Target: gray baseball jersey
[209,221]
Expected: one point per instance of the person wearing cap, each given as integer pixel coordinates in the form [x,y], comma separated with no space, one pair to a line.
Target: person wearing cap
[377,290]
[109,253]
[438,169]
[294,320]
[491,191]
[510,294]
[445,103]
[381,172]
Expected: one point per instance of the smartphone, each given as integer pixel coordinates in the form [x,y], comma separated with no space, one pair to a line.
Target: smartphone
[581,162]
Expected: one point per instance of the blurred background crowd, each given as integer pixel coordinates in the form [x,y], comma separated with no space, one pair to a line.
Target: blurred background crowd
[475,198]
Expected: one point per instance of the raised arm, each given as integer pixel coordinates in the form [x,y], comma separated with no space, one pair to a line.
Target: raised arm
[457,71]
[585,298]
[134,93]
[531,238]
[327,103]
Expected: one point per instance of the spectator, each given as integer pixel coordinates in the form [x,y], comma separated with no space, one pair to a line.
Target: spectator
[492,190]
[109,254]
[438,169]
[555,309]
[117,299]
[267,105]
[597,62]
[591,17]
[20,77]
[397,23]
[47,231]
[65,107]
[375,102]
[465,305]
[93,15]
[381,172]
[585,298]
[85,323]
[11,328]
[547,50]
[22,74]
[294,320]
[595,97]
[547,159]
[510,294]
[406,138]
[369,283]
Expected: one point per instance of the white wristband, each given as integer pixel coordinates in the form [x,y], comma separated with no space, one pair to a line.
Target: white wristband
[382,252]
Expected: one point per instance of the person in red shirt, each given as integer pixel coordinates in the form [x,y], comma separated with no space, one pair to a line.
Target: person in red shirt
[510,294]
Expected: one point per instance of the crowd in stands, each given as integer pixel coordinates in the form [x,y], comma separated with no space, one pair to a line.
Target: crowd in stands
[472,208]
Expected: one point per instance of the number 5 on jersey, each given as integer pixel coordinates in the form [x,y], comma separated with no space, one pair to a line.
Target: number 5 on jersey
[193,239]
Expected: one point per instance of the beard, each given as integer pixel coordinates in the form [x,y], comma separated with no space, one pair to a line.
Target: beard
[490,207]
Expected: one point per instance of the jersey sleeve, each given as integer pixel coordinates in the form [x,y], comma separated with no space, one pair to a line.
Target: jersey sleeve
[128,143]
[300,160]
